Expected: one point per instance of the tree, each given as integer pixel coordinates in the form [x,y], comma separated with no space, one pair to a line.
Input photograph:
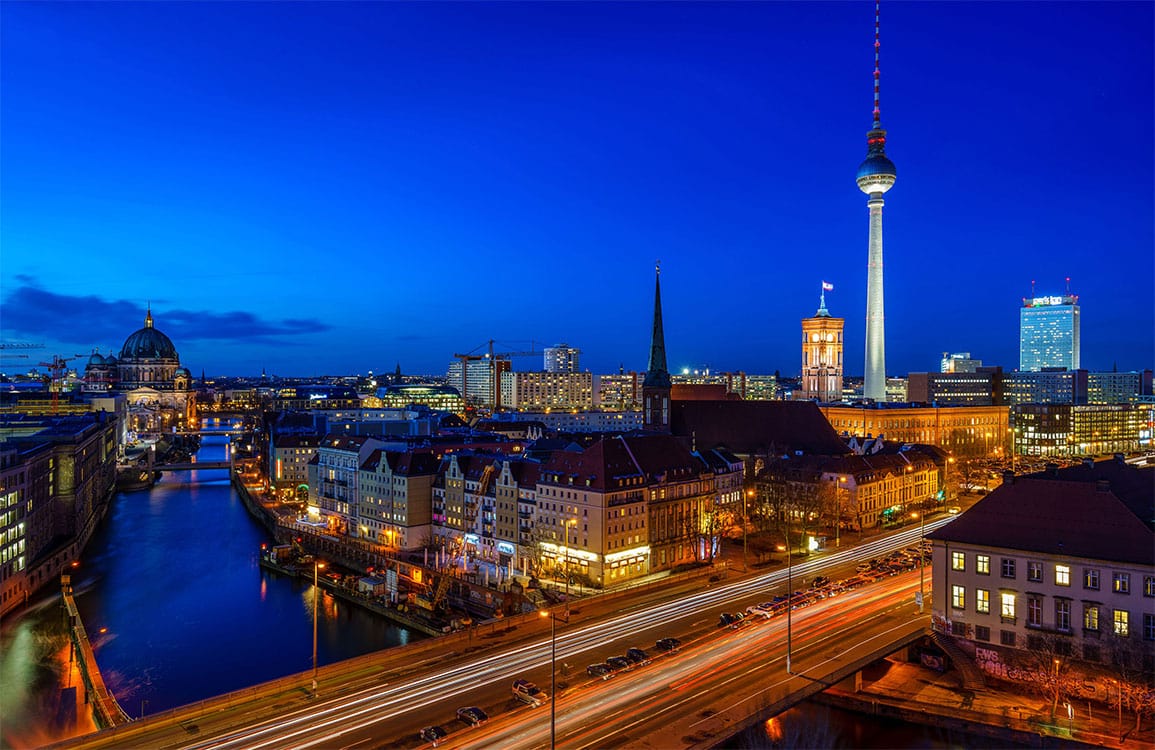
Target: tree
[1135,684]
[1048,668]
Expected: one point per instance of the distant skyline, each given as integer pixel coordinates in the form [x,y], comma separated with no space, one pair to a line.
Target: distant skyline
[332,188]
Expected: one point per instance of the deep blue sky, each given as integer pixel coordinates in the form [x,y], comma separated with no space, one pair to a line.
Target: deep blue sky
[331,187]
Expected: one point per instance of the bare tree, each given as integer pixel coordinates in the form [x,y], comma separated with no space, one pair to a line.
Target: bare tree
[1047,668]
[1134,680]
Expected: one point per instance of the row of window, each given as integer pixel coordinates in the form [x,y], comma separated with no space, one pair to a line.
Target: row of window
[1008,612]
[1120,580]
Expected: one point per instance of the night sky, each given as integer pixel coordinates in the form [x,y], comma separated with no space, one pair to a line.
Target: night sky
[337,188]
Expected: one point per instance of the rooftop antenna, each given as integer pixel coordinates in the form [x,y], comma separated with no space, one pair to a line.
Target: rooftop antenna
[1068,286]
[1032,288]
[877,46]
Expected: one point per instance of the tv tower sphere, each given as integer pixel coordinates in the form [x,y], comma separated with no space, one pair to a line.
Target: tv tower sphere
[876,173]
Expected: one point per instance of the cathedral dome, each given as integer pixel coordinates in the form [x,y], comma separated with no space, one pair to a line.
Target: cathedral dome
[96,360]
[148,343]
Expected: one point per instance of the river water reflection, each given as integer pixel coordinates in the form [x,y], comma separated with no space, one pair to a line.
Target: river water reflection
[178,610]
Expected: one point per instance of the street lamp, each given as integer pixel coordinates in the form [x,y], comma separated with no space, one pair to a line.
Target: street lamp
[745,525]
[838,510]
[921,558]
[316,566]
[568,523]
[552,674]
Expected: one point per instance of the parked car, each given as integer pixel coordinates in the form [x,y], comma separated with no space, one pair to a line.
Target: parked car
[472,715]
[603,670]
[667,644]
[433,734]
[620,663]
[819,581]
[731,619]
[862,567]
[527,692]
[637,656]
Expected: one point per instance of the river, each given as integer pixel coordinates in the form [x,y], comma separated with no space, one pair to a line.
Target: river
[177,609]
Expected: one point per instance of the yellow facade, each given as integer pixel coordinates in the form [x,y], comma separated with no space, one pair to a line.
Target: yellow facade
[961,430]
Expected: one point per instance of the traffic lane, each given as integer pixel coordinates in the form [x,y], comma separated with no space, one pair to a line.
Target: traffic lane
[652,700]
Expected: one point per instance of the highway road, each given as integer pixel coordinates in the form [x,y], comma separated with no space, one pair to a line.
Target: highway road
[668,699]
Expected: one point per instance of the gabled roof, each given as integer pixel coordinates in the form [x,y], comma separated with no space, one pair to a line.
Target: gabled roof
[605,463]
[1076,514]
[757,427]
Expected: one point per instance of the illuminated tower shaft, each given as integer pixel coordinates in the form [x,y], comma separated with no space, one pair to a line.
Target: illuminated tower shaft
[875,176]
[874,385]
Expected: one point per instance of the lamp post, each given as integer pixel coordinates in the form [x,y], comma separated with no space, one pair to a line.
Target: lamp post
[838,511]
[569,522]
[552,675]
[745,526]
[316,565]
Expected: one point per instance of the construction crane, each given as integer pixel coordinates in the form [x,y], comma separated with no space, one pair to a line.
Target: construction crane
[493,357]
[56,368]
[4,347]
[457,546]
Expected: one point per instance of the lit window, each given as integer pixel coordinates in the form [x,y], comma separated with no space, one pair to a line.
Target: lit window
[958,561]
[982,601]
[1007,606]
[1122,583]
[1062,575]
[1122,623]
[1090,617]
[958,597]
[1091,578]
[983,564]
[1148,585]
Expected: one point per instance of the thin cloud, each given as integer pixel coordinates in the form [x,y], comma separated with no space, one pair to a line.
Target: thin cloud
[31,312]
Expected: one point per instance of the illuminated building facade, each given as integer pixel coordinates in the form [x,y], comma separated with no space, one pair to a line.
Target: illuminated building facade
[1049,333]
[561,358]
[396,498]
[961,430]
[57,475]
[547,390]
[1017,587]
[1073,430]
[822,355]
[959,362]
[436,397]
[621,392]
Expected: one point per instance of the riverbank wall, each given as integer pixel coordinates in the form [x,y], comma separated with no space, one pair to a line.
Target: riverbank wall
[105,709]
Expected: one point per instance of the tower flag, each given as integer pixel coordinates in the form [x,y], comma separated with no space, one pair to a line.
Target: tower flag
[827,286]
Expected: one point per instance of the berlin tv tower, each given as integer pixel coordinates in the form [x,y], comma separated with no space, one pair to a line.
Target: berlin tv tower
[875,176]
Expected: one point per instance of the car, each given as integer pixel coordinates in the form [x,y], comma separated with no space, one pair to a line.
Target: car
[667,644]
[527,692]
[819,581]
[862,567]
[433,734]
[731,619]
[603,670]
[637,656]
[472,715]
[620,663]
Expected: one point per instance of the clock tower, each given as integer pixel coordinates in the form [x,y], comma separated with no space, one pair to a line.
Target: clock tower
[822,354]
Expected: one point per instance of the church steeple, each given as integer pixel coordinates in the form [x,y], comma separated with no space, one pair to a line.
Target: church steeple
[656,386]
[148,316]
